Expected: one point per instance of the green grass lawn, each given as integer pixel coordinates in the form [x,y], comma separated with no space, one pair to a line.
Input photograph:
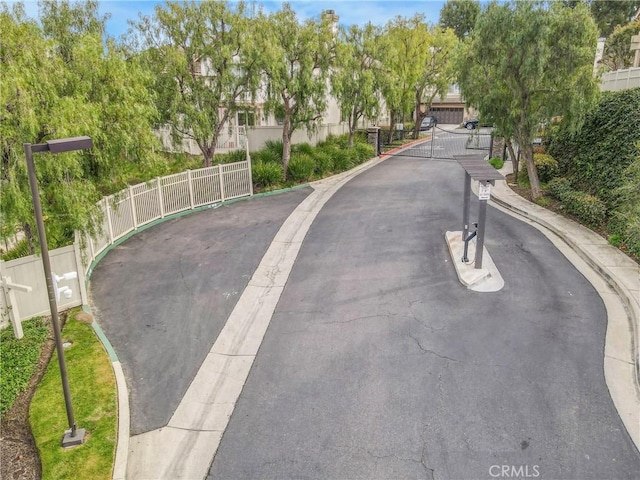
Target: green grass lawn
[94,398]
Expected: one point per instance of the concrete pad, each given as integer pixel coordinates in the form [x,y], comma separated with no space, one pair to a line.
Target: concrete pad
[485,279]
[170,453]
[247,324]
[273,271]
[209,401]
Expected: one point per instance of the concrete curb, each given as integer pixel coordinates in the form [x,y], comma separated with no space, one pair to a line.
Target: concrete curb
[620,277]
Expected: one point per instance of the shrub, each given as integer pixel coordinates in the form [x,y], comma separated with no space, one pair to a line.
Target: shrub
[589,209]
[324,162]
[266,156]
[539,149]
[596,156]
[342,160]
[19,250]
[301,167]
[496,162]
[559,187]
[364,151]
[230,157]
[302,148]
[266,174]
[275,146]
[546,165]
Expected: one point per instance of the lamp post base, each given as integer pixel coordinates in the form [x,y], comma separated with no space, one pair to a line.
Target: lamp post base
[72,441]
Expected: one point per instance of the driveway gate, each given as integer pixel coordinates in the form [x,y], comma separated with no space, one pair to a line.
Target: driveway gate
[447,144]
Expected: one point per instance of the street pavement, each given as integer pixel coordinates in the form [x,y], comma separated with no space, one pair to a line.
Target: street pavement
[163,296]
[377,362]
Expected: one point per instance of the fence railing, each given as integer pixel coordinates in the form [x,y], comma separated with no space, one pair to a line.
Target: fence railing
[122,213]
[620,80]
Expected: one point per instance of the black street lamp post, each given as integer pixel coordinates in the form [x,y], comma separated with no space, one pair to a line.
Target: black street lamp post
[73,436]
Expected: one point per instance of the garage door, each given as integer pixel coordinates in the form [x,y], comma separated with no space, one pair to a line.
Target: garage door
[447,115]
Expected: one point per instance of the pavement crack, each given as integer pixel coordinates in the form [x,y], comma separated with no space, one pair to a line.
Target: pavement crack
[426,350]
[350,320]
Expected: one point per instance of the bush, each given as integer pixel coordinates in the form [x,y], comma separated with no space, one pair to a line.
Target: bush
[546,166]
[266,156]
[302,148]
[342,160]
[19,250]
[559,187]
[301,167]
[324,162]
[266,174]
[589,209]
[595,157]
[496,162]
[364,151]
[230,157]
[275,146]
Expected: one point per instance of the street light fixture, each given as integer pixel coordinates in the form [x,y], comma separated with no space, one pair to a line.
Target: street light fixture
[73,436]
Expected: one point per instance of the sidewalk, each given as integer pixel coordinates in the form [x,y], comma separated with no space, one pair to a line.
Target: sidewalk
[617,282]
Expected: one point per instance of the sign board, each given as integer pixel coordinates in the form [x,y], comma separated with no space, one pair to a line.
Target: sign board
[484,191]
[399,126]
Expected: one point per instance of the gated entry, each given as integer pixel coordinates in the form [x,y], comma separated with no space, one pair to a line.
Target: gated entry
[440,143]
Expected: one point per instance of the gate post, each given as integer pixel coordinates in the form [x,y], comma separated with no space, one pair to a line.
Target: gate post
[373,134]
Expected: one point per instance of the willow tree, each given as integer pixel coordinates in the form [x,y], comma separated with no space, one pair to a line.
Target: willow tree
[437,72]
[405,45]
[527,62]
[60,78]
[355,77]
[204,59]
[460,15]
[295,60]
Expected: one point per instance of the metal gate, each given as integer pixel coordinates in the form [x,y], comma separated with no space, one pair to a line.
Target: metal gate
[446,144]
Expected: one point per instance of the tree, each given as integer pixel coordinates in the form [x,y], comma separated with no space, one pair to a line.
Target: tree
[60,80]
[460,15]
[354,78]
[617,54]
[437,72]
[525,64]
[405,46]
[609,14]
[203,57]
[295,60]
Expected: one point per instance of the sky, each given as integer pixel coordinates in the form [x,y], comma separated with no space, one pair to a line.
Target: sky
[350,12]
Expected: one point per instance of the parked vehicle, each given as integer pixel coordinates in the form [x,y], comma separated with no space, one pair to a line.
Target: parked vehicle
[427,123]
[471,124]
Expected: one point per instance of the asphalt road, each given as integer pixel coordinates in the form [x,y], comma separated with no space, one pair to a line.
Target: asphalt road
[379,364]
[163,296]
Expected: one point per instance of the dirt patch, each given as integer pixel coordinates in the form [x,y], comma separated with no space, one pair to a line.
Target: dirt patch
[20,459]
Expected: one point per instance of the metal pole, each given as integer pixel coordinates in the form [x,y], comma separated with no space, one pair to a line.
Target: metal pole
[76,436]
[482,217]
[466,203]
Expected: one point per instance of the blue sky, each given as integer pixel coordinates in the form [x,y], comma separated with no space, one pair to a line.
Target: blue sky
[350,11]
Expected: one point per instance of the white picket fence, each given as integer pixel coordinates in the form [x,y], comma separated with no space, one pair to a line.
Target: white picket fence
[122,214]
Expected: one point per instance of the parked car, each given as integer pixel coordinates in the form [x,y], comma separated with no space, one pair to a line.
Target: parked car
[471,124]
[427,123]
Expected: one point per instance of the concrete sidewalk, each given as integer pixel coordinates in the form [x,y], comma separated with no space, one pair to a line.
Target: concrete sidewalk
[617,280]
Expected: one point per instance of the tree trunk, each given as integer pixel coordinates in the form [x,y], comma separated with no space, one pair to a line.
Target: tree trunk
[532,171]
[286,144]
[353,122]
[514,158]
[28,234]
